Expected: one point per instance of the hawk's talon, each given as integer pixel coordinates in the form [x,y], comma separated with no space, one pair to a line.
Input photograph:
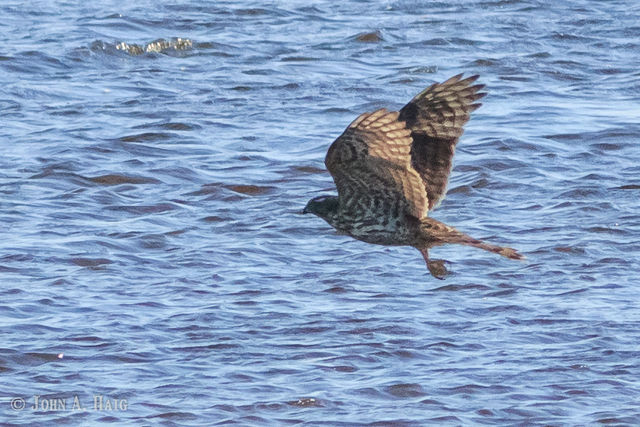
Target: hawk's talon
[438,269]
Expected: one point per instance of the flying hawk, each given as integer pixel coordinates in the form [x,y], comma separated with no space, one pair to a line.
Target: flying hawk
[391,168]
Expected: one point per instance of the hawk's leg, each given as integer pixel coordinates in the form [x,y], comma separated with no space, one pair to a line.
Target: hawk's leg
[436,266]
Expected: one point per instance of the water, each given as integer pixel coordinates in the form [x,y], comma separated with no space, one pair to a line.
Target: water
[156,270]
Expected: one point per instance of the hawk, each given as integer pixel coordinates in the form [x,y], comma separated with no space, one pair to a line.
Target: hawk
[391,168]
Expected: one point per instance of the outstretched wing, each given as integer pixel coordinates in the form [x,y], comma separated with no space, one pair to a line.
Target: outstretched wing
[436,117]
[371,166]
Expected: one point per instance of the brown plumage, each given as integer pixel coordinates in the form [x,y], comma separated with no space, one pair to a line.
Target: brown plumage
[392,168]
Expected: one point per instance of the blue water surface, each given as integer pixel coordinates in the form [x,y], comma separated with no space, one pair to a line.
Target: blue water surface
[155,268]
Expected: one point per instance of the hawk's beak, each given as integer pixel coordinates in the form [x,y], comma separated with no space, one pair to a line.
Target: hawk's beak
[304,211]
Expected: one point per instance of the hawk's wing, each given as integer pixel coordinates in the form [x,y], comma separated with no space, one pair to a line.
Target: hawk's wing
[371,166]
[436,117]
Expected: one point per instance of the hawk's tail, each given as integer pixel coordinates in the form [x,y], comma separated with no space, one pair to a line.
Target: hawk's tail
[442,234]
[500,250]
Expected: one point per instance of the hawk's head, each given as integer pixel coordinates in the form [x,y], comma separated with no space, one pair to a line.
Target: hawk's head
[325,207]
